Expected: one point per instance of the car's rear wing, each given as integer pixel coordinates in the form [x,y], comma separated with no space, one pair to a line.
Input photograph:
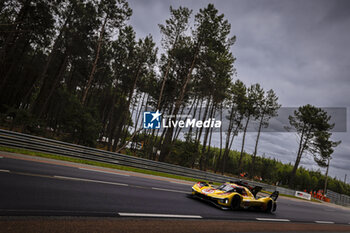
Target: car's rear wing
[241,183]
[274,195]
[255,190]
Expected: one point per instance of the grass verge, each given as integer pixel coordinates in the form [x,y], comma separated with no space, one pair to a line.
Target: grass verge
[94,163]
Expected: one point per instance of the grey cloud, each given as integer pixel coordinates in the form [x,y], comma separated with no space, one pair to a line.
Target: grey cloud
[298,48]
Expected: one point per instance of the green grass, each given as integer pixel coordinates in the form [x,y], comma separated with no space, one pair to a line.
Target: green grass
[94,163]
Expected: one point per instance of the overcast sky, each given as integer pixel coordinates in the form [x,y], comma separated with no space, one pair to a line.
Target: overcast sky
[300,49]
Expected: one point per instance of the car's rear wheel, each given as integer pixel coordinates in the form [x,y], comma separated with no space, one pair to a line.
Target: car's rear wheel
[269,207]
[236,202]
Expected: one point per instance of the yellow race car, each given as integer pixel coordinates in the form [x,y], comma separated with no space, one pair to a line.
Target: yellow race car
[235,195]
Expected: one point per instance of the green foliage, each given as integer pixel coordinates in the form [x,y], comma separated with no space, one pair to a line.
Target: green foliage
[76,123]
[312,125]
[184,153]
[174,27]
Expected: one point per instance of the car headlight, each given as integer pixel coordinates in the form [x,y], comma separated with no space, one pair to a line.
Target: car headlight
[224,201]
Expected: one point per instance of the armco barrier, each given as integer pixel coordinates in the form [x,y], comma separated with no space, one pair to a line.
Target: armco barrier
[337,198]
[30,142]
[19,140]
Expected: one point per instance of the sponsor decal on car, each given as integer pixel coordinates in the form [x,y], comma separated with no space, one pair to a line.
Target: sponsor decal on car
[207,191]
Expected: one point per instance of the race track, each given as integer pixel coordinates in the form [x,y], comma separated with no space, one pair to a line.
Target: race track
[47,189]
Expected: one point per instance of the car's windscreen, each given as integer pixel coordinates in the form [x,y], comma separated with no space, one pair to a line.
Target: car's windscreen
[226,188]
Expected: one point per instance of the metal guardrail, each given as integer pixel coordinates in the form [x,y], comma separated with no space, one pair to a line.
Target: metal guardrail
[339,199]
[35,143]
[30,142]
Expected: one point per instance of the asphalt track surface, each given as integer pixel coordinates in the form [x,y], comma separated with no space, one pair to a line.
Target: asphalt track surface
[29,188]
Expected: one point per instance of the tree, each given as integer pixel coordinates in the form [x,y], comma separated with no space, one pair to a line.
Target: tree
[77,23]
[112,13]
[312,125]
[236,104]
[211,34]
[173,31]
[143,58]
[267,108]
[122,79]
[255,95]
[215,69]
[26,31]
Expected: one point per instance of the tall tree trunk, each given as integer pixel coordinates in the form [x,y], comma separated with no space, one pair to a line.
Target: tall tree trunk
[48,87]
[10,41]
[200,130]
[54,85]
[163,84]
[194,115]
[56,45]
[200,133]
[206,163]
[226,154]
[243,141]
[217,160]
[15,62]
[166,74]
[118,134]
[299,154]
[227,142]
[203,154]
[178,128]
[137,116]
[144,103]
[15,65]
[177,133]
[199,117]
[326,179]
[131,92]
[112,124]
[252,168]
[166,148]
[94,66]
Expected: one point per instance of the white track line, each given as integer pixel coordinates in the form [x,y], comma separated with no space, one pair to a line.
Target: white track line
[88,180]
[114,173]
[158,215]
[169,190]
[53,211]
[273,219]
[1,170]
[324,222]
[178,183]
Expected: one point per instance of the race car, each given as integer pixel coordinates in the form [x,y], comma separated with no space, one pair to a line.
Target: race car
[235,195]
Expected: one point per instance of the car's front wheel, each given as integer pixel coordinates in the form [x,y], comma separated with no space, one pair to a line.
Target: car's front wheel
[236,202]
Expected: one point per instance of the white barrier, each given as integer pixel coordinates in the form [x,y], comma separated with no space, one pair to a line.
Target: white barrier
[303,195]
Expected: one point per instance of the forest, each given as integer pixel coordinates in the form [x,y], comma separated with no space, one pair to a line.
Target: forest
[76,71]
